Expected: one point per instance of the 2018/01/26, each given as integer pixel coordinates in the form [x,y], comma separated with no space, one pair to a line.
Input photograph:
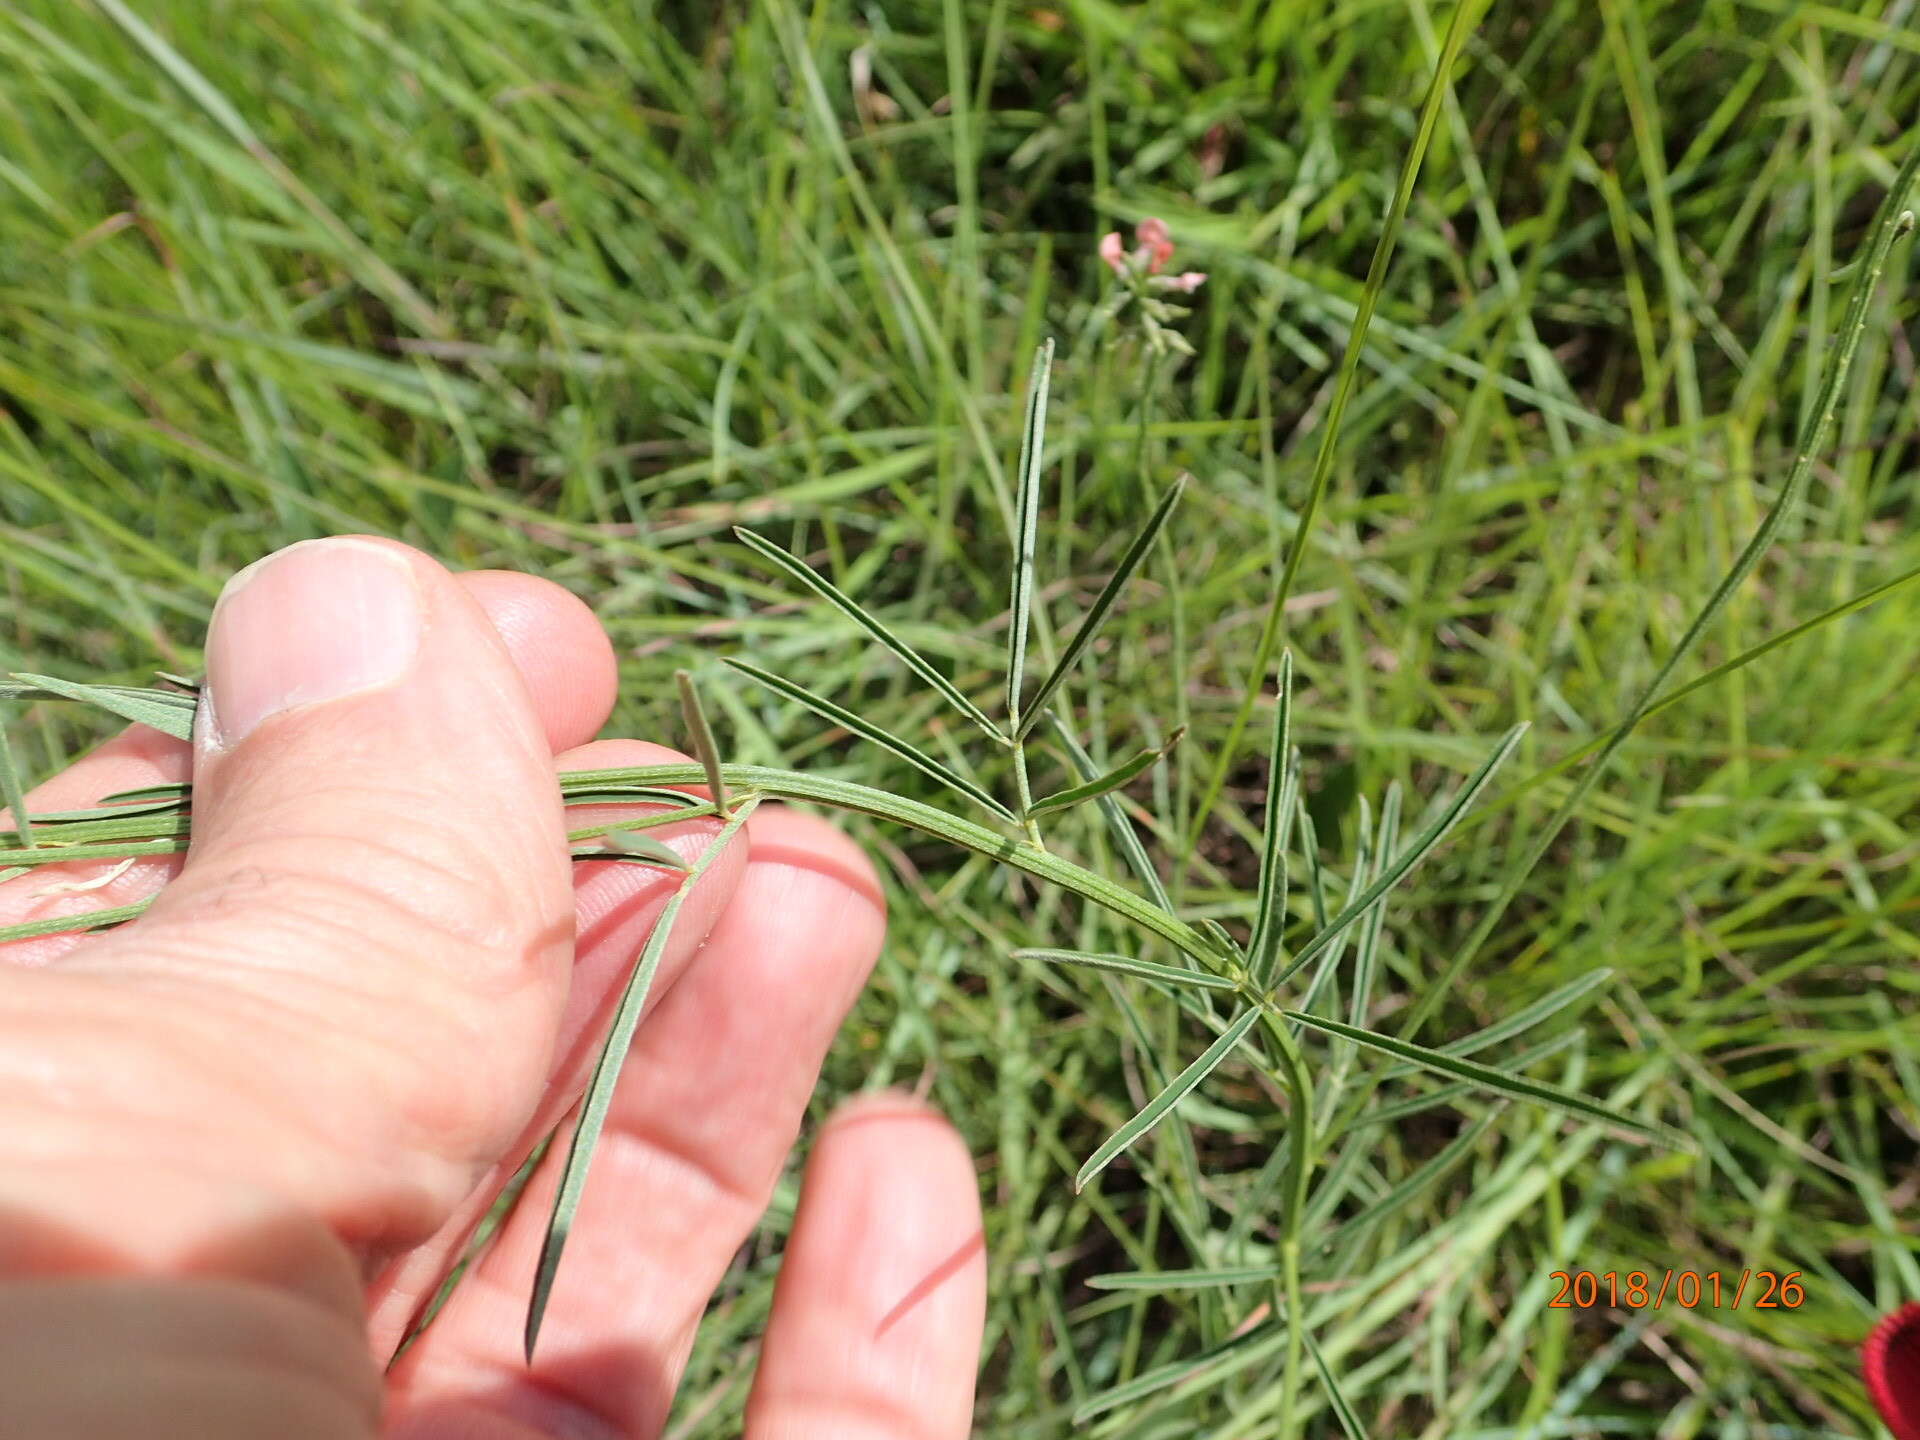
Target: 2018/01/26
[1634,1290]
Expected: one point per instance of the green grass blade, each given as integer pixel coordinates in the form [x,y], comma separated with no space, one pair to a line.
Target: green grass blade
[867,730]
[1465,15]
[1350,1424]
[1157,1280]
[1103,604]
[701,733]
[845,604]
[1538,1013]
[1156,1109]
[1126,965]
[1264,948]
[1392,874]
[1500,1081]
[1701,682]
[13,793]
[606,1072]
[1351,1232]
[1231,1355]
[1122,773]
[1124,835]
[144,706]
[1033,436]
[1894,220]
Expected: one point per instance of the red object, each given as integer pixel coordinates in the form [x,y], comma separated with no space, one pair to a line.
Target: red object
[1891,1362]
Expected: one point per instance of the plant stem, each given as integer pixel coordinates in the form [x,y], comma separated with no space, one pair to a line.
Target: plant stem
[1023,789]
[1293,1213]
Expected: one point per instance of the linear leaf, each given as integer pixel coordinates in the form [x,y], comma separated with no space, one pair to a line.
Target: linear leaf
[915,661]
[1124,834]
[1264,948]
[1414,853]
[1316,881]
[70,818]
[1126,964]
[143,706]
[1223,941]
[1363,871]
[895,809]
[56,854]
[1156,1109]
[19,689]
[619,857]
[701,733]
[642,822]
[1033,436]
[1103,603]
[1183,1279]
[87,920]
[1125,771]
[1366,955]
[639,845]
[1447,1094]
[1485,1076]
[867,730]
[606,1071]
[627,794]
[172,790]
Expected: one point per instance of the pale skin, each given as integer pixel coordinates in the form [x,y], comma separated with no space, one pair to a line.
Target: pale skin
[242,1136]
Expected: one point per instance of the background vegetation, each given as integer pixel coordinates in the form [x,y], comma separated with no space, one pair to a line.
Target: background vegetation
[576,286]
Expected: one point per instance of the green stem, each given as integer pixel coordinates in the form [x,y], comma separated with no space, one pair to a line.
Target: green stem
[1023,790]
[1293,1213]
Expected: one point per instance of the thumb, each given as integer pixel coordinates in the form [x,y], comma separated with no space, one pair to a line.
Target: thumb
[374,924]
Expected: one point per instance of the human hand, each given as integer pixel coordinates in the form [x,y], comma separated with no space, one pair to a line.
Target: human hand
[242,1137]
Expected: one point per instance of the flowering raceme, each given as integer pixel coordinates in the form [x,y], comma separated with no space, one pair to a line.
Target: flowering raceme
[1139,272]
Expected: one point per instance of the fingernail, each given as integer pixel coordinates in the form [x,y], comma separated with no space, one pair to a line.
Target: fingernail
[311,623]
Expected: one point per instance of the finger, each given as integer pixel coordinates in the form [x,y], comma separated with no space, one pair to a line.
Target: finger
[704,1116]
[881,1302]
[615,907]
[360,969]
[556,642]
[118,1358]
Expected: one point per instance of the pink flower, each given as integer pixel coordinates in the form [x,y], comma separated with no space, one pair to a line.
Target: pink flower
[1114,252]
[1191,281]
[1156,245]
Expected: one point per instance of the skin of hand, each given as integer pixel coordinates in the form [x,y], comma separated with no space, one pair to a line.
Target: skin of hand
[242,1137]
